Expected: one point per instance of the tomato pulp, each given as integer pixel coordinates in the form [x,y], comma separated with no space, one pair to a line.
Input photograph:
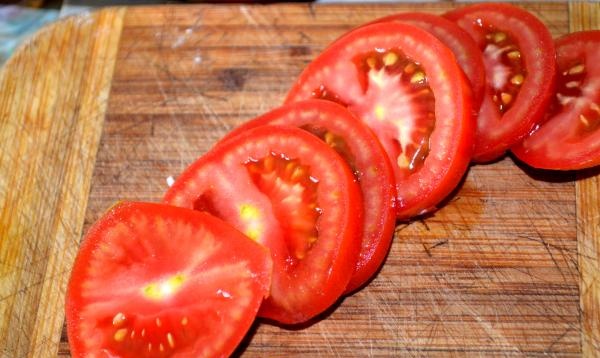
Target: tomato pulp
[518,53]
[406,85]
[458,40]
[152,280]
[569,138]
[289,191]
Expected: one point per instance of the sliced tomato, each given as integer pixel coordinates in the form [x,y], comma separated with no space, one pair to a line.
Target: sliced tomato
[518,53]
[465,49]
[406,85]
[152,280]
[361,149]
[569,138]
[289,191]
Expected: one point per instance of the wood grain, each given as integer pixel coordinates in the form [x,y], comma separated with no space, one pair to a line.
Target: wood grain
[53,96]
[494,272]
[586,16]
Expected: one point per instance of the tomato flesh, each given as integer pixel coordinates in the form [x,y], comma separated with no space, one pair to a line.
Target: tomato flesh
[518,53]
[460,42]
[289,191]
[154,281]
[569,137]
[406,86]
[361,149]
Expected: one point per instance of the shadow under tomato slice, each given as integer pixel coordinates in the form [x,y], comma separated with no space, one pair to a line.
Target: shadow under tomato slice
[361,149]
[518,54]
[569,136]
[289,191]
[407,87]
[151,280]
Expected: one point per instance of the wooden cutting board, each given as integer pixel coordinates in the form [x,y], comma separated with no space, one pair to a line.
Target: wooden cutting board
[109,105]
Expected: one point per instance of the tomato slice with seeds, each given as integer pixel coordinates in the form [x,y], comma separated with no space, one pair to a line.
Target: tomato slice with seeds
[405,84]
[458,40]
[361,149]
[289,191]
[151,280]
[518,53]
[569,137]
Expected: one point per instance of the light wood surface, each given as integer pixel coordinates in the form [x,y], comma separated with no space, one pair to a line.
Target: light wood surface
[495,272]
[53,95]
[586,16]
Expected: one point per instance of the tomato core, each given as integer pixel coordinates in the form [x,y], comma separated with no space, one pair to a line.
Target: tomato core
[293,195]
[504,66]
[397,98]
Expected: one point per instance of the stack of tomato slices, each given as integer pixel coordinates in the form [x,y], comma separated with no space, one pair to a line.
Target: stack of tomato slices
[296,208]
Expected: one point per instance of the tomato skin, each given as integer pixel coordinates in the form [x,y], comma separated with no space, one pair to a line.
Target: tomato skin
[465,50]
[451,142]
[302,288]
[369,163]
[497,132]
[105,292]
[558,142]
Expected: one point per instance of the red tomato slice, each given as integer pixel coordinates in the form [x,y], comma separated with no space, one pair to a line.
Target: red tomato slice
[519,59]
[570,137]
[361,149]
[152,280]
[465,50]
[289,191]
[405,84]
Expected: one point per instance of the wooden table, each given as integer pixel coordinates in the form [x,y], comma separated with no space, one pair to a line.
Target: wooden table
[108,105]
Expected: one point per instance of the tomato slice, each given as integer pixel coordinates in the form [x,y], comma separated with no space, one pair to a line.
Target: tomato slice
[152,280]
[405,84]
[361,149]
[569,138]
[289,191]
[518,53]
[458,40]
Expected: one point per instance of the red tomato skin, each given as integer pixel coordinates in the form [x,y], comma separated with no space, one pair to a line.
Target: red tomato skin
[465,50]
[287,303]
[496,133]
[553,143]
[120,214]
[340,121]
[423,191]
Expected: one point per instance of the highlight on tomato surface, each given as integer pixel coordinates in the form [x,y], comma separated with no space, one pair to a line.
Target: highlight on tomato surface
[406,85]
[289,191]
[519,58]
[361,150]
[151,280]
[569,137]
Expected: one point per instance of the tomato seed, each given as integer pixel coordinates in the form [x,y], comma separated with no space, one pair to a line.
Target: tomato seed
[499,37]
[575,70]
[506,98]
[170,340]
[158,322]
[120,335]
[584,120]
[418,77]
[572,84]
[517,80]
[390,58]
[514,55]
[184,321]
